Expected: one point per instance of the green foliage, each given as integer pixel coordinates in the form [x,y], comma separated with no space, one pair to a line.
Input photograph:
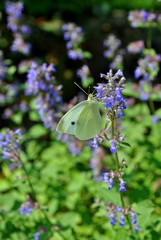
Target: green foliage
[66,191]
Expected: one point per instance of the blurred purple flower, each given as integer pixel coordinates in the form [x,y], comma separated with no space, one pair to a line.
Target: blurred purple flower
[14,12]
[41,84]
[139,18]
[19,45]
[155,119]
[74,36]
[112,44]
[26,209]
[10,145]
[135,47]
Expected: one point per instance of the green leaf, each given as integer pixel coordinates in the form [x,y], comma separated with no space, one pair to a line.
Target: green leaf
[37,131]
[144,210]
[12,70]
[69,219]
[87,55]
[124,144]
[87,82]
[110,195]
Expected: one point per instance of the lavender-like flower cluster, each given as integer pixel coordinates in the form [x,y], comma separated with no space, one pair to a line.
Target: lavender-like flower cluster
[111,97]
[9,143]
[74,36]
[14,12]
[112,44]
[116,213]
[114,52]
[41,84]
[139,18]
[14,23]
[111,94]
[112,176]
[148,67]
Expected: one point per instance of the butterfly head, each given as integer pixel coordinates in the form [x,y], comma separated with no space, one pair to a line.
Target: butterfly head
[90,97]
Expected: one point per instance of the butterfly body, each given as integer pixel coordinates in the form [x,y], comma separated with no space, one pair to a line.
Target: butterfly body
[83,120]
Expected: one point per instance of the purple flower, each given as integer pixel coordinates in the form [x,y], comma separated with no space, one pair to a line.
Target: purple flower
[73,35]
[24,29]
[37,235]
[113,146]
[112,44]
[118,93]
[26,209]
[122,185]
[148,67]
[112,217]
[3,67]
[117,61]
[135,47]
[94,143]
[107,178]
[136,227]
[120,113]
[110,183]
[118,209]
[75,54]
[19,45]
[134,221]
[155,118]
[122,220]
[83,72]
[10,145]
[111,94]
[137,18]
[108,101]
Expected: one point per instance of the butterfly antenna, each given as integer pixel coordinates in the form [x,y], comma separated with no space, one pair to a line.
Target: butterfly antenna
[81,88]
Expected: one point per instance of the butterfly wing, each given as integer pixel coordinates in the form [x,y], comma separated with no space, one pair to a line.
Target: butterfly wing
[89,122]
[68,122]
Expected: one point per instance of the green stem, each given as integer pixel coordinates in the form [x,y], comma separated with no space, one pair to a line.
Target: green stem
[118,168]
[149,38]
[152,107]
[33,192]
